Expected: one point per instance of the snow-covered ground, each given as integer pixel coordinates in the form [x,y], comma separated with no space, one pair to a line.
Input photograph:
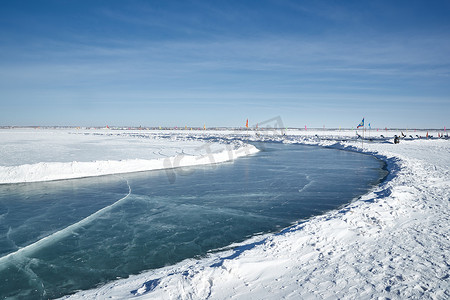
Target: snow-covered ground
[28,155]
[392,243]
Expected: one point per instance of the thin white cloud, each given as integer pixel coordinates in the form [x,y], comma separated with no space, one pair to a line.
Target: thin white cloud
[383,57]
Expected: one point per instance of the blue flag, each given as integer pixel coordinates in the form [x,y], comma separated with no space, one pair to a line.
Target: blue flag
[361,124]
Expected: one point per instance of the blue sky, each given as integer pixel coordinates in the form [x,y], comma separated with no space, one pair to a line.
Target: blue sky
[177,63]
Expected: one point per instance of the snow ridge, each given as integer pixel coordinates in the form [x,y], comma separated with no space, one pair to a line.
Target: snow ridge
[47,171]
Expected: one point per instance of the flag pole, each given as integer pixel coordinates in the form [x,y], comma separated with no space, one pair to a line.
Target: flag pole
[362,140]
[364,131]
[363,125]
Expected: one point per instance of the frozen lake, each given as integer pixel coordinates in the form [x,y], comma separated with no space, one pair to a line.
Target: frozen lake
[103,228]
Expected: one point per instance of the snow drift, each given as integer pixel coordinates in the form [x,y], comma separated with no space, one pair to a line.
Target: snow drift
[46,171]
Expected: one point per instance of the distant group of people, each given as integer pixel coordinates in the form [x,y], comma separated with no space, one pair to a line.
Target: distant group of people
[427,136]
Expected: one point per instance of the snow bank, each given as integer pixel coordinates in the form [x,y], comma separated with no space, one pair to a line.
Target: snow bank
[45,171]
[30,155]
[391,243]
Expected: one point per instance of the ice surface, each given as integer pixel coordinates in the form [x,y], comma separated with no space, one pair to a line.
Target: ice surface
[393,243]
[159,223]
[59,234]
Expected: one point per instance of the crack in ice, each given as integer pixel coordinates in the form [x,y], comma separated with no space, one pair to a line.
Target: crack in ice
[22,253]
